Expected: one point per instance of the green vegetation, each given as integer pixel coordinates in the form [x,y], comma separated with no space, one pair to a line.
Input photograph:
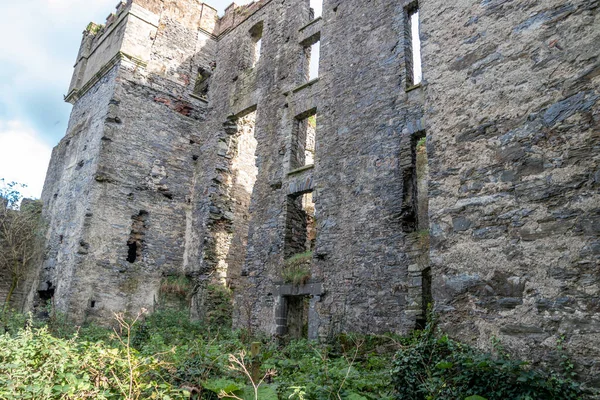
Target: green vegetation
[433,366]
[296,269]
[167,356]
[218,305]
[21,235]
[34,364]
[178,285]
[93,28]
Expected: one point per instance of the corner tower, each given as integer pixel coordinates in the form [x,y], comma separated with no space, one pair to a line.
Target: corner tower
[118,191]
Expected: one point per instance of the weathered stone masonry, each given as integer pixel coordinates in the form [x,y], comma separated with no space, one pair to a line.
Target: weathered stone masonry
[513,120]
[192,150]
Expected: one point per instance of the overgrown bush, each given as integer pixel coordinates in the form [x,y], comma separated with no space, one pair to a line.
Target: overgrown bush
[355,367]
[431,366]
[167,356]
[36,365]
[219,307]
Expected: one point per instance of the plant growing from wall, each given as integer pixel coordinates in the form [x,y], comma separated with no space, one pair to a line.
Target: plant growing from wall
[296,269]
[177,285]
[93,28]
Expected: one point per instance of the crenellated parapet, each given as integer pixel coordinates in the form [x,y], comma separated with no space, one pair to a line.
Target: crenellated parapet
[129,35]
[236,14]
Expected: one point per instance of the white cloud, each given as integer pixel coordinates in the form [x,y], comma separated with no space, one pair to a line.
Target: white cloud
[39,47]
[24,157]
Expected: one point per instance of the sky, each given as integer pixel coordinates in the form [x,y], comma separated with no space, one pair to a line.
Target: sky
[40,41]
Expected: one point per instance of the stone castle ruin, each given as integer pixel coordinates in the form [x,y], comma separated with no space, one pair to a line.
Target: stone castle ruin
[205,148]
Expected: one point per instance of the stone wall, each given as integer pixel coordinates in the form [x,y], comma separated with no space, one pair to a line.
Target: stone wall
[120,185]
[68,193]
[513,123]
[190,148]
[359,276]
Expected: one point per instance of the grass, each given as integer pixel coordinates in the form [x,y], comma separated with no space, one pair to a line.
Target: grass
[179,285]
[297,269]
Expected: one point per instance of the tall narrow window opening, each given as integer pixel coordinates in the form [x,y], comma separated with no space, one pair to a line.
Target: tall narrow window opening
[311,58]
[137,236]
[316,8]
[301,232]
[415,202]
[314,59]
[304,140]
[414,73]
[426,296]
[415,222]
[256,34]
[300,239]
[422,177]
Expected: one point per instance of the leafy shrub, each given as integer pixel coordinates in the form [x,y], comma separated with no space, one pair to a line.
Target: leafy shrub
[36,365]
[220,307]
[164,353]
[433,366]
[12,322]
[309,371]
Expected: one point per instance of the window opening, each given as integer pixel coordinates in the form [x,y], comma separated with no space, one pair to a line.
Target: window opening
[304,141]
[202,82]
[314,59]
[244,173]
[256,33]
[414,73]
[257,49]
[316,8]
[297,317]
[427,297]
[422,177]
[311,50]
[415,220]
[137,236]
[235,182]
[301,231]
[415,203]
